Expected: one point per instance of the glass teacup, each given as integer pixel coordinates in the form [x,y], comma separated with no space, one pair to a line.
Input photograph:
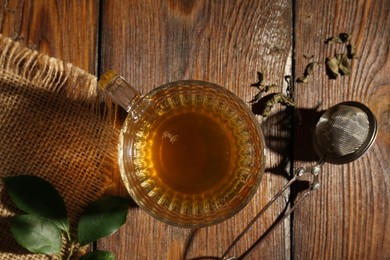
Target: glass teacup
[191,153]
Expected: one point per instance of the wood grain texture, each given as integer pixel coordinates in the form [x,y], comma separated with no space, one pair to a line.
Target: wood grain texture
[225,42]
[348,218]
[66,30]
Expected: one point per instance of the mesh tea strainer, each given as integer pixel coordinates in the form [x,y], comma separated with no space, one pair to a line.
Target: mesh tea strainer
[343,134]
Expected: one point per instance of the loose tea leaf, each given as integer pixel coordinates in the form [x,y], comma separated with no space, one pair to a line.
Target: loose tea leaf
[260,82]
[262,90]
[38,197]
[341,38]
[102,218]
[344,64]
[340,64]
[332,67]
[302,79]
[272,99]
[266,103]
[308,72]
[98,255]
[37,234]
[344,37]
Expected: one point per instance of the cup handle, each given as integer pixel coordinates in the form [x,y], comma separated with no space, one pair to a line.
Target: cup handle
[119,90]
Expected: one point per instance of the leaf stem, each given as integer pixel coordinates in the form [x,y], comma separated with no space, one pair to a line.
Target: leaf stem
[68,236]
[71,250]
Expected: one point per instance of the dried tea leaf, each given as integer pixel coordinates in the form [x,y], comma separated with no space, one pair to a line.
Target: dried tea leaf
[284,100]
[308,57]
[344,37]
[333,40]
[344,64]
[263,90]
[341,38]
[260,78]
[269,87]
[309,68]
[257,97]
[302,79]
[308,72]
[272,99]
[332,67]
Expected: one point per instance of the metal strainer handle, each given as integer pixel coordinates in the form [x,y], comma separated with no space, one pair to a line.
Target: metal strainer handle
[315,171]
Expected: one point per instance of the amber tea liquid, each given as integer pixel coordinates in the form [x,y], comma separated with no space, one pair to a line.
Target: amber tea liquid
[191,151]
[187,151]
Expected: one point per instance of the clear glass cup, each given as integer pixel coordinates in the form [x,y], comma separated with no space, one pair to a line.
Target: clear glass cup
[191,153]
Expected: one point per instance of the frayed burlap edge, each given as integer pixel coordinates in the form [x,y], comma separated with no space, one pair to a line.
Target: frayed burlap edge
[28,68]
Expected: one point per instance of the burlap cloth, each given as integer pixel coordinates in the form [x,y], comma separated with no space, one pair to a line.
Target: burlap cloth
[53,125]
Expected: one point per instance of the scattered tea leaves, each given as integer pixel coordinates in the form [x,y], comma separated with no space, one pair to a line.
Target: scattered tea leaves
[38,197]
[308,72]
[263,90]
[98,255]
[102,218]
[267,102]
[341,38]
[272,99]
[340,64]
[37,234]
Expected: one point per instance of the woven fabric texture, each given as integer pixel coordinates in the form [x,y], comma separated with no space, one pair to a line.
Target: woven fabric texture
[52,125]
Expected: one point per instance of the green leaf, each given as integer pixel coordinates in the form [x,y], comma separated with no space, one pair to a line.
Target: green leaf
[98,255]
[102,218]
[38,197]
[37,234]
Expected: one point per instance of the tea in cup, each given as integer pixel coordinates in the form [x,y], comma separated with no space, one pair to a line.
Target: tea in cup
[191,153]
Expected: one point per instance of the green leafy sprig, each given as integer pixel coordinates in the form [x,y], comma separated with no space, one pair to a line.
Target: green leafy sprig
[39,229]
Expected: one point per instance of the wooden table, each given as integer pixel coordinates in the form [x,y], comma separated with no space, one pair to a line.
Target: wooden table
[227,42]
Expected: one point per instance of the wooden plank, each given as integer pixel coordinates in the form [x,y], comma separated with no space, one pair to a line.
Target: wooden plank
[226,42]
[63,29]
[347,218]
